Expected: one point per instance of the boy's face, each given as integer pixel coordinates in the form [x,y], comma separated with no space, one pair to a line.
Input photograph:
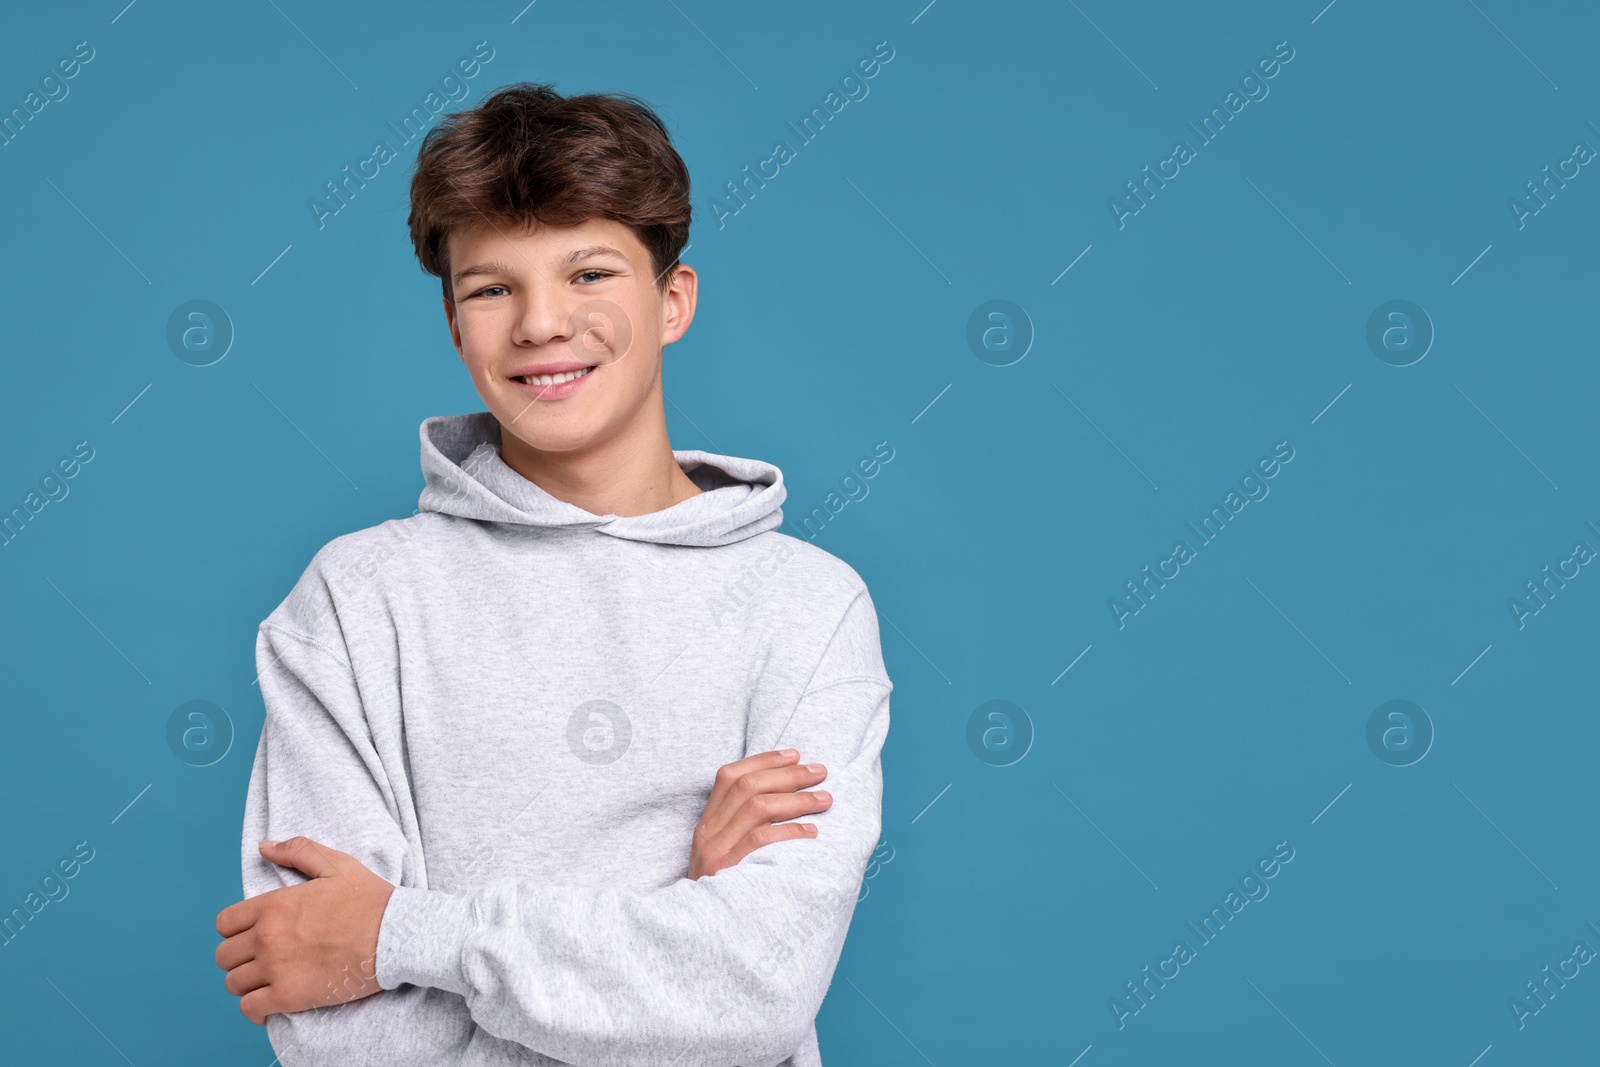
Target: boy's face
[554,300]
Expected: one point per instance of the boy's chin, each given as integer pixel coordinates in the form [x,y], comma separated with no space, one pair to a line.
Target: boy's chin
[544,438]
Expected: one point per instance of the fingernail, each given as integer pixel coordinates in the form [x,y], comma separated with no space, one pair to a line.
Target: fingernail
[815,768]
[789,753]
[825,797]
[269,844]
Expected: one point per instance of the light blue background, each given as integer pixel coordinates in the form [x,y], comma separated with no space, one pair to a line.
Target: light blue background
[1226,316]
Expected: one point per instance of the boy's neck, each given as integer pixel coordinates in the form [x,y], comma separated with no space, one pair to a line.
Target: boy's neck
[621,477]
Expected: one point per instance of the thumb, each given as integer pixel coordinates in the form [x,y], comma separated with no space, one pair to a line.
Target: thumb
[304,855]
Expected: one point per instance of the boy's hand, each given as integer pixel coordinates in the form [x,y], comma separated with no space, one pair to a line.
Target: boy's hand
[304,945]
[750,795]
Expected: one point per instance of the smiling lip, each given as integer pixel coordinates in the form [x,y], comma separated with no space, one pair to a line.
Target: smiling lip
[560,389]
[557,367]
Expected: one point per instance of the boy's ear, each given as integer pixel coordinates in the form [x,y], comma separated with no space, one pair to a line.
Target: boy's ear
[679,301]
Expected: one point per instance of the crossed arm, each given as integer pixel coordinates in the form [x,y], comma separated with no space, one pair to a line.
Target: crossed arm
[728,965]
[316,943]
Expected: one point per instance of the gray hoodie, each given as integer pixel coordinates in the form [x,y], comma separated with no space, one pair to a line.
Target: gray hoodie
[514,710]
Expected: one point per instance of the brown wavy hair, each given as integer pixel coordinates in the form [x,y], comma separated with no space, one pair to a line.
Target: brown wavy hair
[527,153]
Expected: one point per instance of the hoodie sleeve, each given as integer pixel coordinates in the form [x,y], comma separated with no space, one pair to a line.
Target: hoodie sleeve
[727,969]
[317,773]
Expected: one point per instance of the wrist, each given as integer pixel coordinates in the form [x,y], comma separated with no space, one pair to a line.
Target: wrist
[420,939]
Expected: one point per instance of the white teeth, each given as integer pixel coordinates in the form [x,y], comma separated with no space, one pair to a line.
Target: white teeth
[553,379]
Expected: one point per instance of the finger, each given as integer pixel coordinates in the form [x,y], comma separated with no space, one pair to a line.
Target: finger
[781,779]
[759,760]
[257,1005]
[779,772]
[709,843]
[303,854]
[730,773]
[729,777]
[767,835]
[238,949]
[754,787]
[237,918]
[768,808]
[731,817]
[247,976]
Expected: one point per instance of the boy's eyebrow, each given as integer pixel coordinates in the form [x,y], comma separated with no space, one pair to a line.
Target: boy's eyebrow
[490,267]
[594,250]
[496,267]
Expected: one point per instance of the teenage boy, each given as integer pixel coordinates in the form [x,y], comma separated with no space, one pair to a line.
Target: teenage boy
[527,787]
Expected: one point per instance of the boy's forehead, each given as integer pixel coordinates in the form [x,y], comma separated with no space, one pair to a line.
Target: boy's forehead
[541,239]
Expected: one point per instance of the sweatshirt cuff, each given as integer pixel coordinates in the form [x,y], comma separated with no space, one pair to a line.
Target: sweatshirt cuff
[421,938]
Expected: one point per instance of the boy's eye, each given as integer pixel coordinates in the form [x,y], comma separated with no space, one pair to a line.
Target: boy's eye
[590,276]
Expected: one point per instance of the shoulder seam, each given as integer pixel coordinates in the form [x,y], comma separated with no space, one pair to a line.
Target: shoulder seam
[848,681]
[313,642]
[859,593]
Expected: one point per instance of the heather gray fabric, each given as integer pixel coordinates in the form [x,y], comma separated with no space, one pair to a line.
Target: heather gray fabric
[514,710]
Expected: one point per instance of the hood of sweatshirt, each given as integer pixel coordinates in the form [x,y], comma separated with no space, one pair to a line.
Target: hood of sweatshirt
[464,476]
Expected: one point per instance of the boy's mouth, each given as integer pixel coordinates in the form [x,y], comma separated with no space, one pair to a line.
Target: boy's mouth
[551,379]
